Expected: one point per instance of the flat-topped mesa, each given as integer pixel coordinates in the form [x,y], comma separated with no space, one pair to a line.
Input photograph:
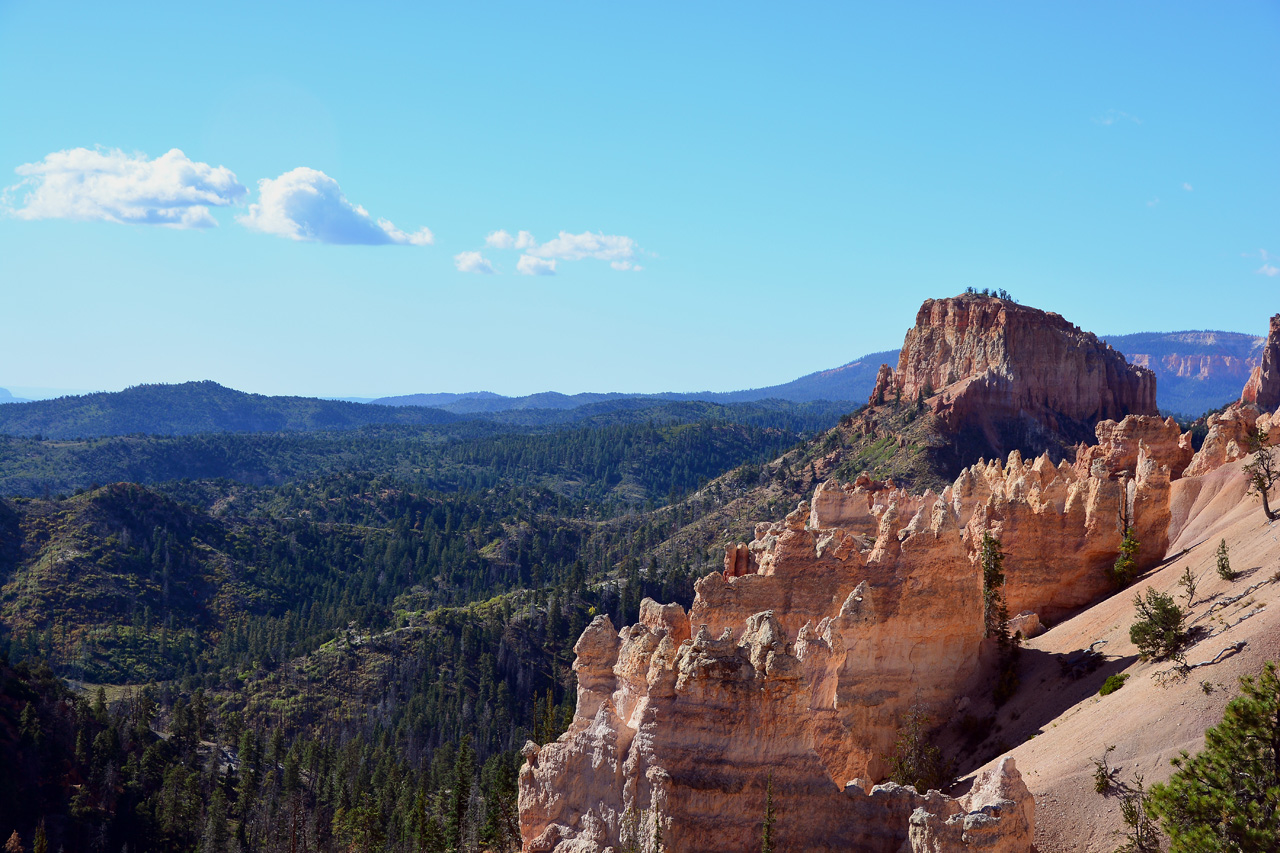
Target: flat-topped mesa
[1013,377]
[797,662]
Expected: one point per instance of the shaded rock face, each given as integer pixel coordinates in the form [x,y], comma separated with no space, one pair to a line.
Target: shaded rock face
[1003,376]
[799,659]
[1263,387]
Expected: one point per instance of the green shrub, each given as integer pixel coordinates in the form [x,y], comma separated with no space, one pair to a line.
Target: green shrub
[1113,683]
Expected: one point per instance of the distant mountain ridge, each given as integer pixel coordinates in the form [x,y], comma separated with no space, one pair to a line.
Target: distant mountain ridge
[852,381]
[197,407]
[1196,370]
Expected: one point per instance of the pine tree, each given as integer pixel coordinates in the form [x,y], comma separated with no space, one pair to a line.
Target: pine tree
[995,612]
[1227,797]
[1224,562]
[1126,566]
[459,795]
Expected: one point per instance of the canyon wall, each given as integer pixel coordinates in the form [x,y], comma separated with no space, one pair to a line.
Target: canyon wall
[795,664]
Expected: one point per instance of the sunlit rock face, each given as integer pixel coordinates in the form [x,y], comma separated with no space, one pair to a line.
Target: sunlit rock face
[1003,376]
[797,661]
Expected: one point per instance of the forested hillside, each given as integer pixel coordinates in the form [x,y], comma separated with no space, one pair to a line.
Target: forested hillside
[338,639]
[195,407]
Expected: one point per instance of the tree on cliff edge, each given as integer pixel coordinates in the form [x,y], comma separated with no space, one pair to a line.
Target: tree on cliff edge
[1263,471]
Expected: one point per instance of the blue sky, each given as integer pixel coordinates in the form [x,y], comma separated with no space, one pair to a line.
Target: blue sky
[792,180]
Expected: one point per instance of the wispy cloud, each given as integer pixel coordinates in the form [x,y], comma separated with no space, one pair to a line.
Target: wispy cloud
[575,247]
[530,265]
[472,262]
[1153,202]
[1268,269]
[109,185]
[503,240]
[1111,117]
[541,258]
[306,204]
[1186,186]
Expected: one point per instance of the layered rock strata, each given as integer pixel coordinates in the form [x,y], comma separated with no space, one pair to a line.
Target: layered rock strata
[1257,410]
[796,663]
[1003,376]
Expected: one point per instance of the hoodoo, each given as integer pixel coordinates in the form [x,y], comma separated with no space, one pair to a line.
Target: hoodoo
[795,665]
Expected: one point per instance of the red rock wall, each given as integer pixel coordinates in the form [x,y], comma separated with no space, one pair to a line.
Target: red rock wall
[801,657]
[983,362]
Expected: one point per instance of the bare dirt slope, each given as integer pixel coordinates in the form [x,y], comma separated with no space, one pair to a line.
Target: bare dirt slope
[1060,722]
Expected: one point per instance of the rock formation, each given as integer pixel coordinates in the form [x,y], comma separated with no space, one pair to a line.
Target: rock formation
[1195,370]
[1257,409]
[797,662]
[1263,387]
[1003,376]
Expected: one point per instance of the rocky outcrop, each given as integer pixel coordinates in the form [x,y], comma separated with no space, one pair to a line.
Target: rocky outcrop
[1232,430]
[1263,387]
[797,662]
[998,815]
[1003,376]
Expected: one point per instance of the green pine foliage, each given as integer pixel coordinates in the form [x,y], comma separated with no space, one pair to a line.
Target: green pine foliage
[1224,562]
[1160,629]
[1125,568]
[1227,797]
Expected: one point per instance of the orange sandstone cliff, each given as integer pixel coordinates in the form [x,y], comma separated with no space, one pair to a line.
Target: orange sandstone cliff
[797,662]
[794,665]
[1002,376]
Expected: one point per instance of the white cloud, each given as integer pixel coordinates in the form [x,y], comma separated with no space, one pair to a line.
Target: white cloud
[1153,202]
[529,265]
[306,204]
[575,247]
[472,262]
[1269,270]
[1186,186]
[1110,117]
[500,240]
[503,240]
[541,259]
[112,186]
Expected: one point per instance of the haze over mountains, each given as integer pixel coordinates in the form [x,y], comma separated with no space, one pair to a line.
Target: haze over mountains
[1196,371]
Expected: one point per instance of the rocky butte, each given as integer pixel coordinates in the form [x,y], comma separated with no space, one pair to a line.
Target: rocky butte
[795,664]
[1002,376]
